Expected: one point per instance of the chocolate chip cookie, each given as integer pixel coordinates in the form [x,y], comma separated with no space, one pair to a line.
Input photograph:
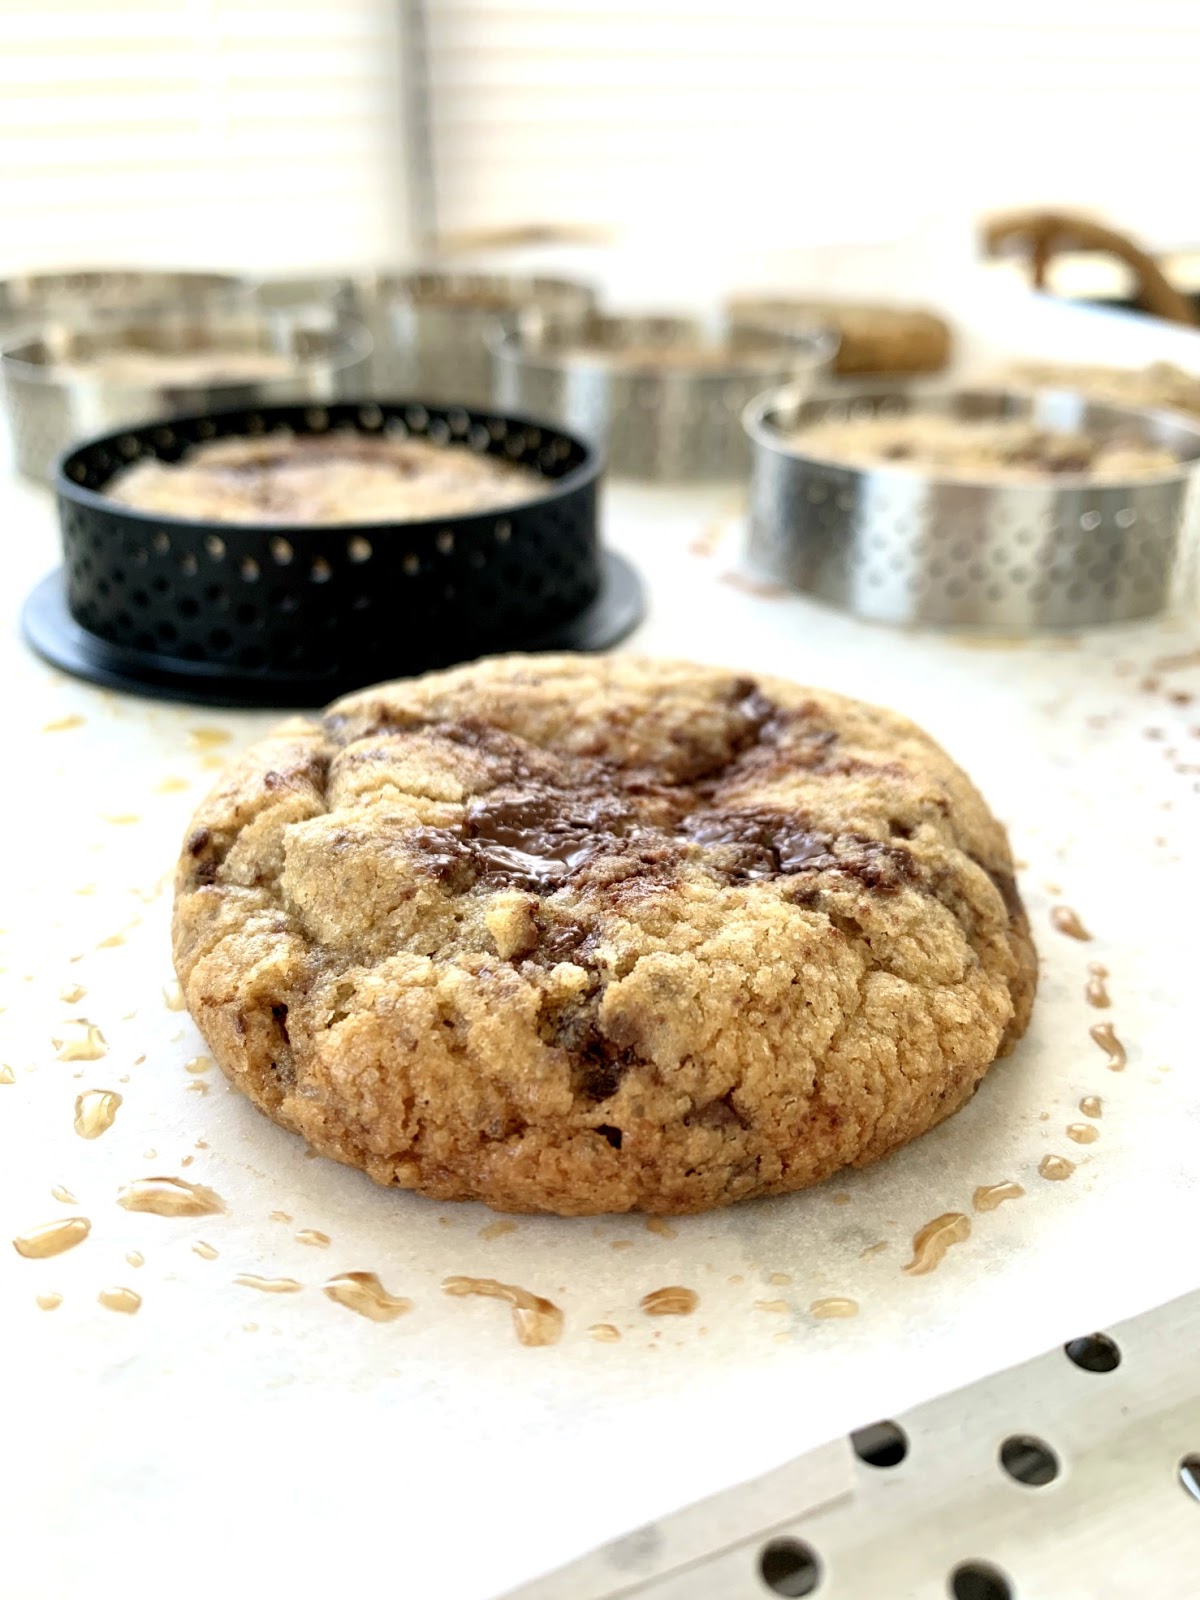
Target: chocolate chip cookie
[583,935]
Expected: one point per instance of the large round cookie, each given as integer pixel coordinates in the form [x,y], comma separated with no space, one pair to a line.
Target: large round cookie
[574,934]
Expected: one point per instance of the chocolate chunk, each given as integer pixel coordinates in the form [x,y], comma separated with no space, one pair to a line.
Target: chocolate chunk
[766,844]
[539,838]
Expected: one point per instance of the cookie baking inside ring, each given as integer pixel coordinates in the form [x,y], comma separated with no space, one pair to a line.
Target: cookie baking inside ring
[597,935]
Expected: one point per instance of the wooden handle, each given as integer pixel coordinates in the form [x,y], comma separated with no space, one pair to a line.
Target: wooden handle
[1045,233]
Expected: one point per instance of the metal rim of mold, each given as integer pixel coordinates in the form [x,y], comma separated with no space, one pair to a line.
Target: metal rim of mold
[891,543]
[659,420]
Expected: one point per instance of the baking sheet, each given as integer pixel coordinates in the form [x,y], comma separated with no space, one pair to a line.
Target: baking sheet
[223,1436]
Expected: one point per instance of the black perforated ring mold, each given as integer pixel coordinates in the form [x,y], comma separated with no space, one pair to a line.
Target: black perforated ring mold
[291,615]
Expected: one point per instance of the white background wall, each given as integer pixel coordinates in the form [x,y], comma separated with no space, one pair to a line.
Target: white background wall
[269,132]
[778,114]
[260,133]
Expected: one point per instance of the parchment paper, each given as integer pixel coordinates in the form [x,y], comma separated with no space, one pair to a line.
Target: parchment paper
[223,1438]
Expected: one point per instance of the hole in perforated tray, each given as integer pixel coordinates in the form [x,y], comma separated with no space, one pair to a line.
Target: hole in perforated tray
[1029,1460]
[979,1580]
[789,1567]
[1094,1352]
[881,1444]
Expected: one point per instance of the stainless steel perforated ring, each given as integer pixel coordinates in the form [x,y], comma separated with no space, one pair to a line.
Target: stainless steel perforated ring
[893,543]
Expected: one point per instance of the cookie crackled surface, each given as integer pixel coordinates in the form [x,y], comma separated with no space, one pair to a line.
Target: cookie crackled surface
[580,935]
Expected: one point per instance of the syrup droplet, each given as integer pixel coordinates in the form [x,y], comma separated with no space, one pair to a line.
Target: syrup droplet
[198,1086]
[1091,1105]
[95,1112]
[672,1301]
[7,1075]
[1083,1132]
[62,724]
[497,1230]
[280,1216]
[990,1195]
[50,1301]
[621,1244]
[205,1251]
[1102,1033]
[661,1227]
[604,1333]
[875,1249]
[1096,991]
[170,1197]
[61,1192]
[170,785]
[197,1065]
[81,1040]
[1064,920]
[931,1242]
[251,1280]
[834,1305]
[362,1292]
[135,1258]
[149,1155]
[1056,1168]
[126,1300]
[207,738]
[124,819]
[173,997]
[52,1238]
[111,942]
[537,1321]
[841,1199]
[72,994]
[313,1236]
[780,1278]
[771,1305]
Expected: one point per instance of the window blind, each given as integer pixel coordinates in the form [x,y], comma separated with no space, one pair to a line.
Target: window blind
[786,118]
[262,134]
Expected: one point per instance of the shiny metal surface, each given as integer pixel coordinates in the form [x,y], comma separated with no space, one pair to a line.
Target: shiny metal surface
[55,397]
[895,544]
[340,294]
[34,298]
[432,329]
[1051,1481]
[628,384]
